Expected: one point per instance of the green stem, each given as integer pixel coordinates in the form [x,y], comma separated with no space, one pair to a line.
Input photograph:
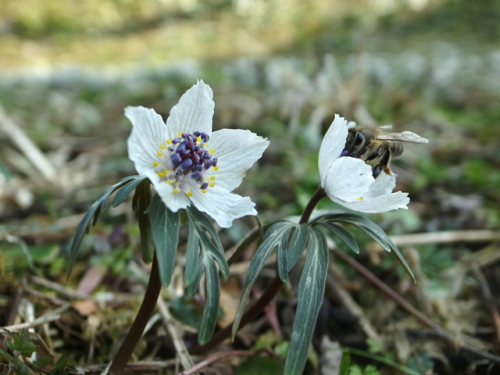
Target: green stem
[267,296]
[137,329]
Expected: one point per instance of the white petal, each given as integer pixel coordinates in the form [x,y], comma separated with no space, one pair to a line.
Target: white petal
[193,112]
[174,201]
[378,204]
[148,133]
[348,179]
[236,151]
[222,206]
[332,146]
[384,184]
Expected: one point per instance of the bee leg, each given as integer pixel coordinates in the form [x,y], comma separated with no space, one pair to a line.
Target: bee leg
[375,154]
[382,166]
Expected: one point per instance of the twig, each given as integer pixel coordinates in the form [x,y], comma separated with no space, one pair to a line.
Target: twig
[27,146]
[172,328]
[408,307]
[215,358]
[332,287]
[49,317]
[485,288]
[484,235]
[15,306]
[38,294]
[57,287]
[145,311]
[152,367]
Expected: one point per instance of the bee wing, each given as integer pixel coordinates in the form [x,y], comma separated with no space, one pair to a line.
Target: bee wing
[405,136]
[385,127]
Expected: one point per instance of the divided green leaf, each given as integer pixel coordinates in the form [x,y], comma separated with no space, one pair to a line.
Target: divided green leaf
[193,258]
[140,203]
[202,221]
[212,296]
[165,228]
[297,244]
[92,215]
[257,263]
[343,234]
[283,255]
[310,297]
[125,191]
[373,230]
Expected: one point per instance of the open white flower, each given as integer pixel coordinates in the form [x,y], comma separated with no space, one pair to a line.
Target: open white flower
[187,163]
[349,181]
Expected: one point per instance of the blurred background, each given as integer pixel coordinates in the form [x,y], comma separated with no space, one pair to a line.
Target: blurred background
[283,69]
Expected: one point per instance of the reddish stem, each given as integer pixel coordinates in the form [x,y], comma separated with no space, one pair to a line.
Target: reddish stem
[137,329]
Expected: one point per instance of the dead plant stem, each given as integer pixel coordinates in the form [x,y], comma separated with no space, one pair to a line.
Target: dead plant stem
[408,307]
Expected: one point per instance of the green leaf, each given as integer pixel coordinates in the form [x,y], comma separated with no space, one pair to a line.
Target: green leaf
[210,249]
[124,192]
[5,356]
[373,230]
[297,244]
[283,255]
[186,311]
[343,234]
[140,203]
[346,362]
[278,225]
[20,367]
[257,263]
[201,220]
[310,296]
[192,288]
[212,296]
[260,366]
[165,228]
[193,258]
[92,215]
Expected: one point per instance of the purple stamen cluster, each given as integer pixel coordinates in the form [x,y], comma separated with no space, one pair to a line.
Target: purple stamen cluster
[187,156]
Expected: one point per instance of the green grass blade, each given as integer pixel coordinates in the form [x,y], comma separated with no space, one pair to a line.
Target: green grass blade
[346,362]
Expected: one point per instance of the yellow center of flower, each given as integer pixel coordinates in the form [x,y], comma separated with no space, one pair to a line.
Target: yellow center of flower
[186,163]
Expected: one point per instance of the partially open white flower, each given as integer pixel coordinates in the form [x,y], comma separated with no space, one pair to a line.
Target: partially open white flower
[187,163]
[349,181]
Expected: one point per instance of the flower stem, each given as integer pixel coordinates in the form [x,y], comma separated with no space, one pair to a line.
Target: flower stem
[136,330]
[267,296]
[318,195]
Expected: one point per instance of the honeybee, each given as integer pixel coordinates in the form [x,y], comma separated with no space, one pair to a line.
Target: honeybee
[368,143]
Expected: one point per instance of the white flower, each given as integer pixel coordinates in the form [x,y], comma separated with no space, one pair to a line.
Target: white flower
[349,181]
[187,163]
